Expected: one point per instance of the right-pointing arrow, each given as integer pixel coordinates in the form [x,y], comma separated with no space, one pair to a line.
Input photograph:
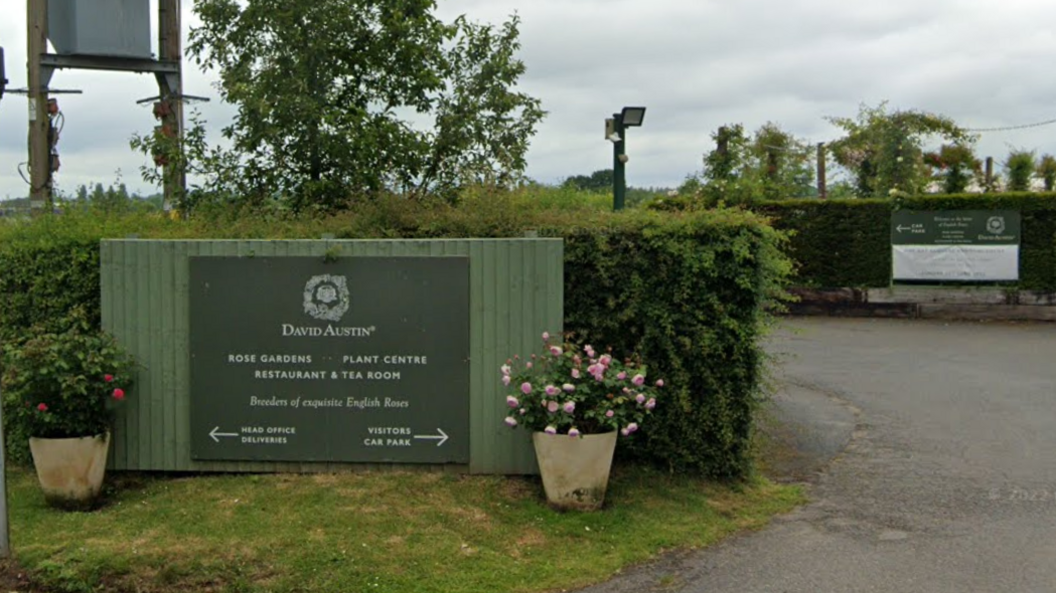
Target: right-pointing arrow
[441,438]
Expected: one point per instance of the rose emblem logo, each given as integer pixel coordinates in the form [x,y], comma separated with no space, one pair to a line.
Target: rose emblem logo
[326,297]
[996,224]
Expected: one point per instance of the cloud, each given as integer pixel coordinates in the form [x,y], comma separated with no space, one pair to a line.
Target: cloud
[696,65]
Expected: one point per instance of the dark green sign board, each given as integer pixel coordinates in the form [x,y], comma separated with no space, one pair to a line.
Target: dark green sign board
[955,227]
[360,359]
[955,246]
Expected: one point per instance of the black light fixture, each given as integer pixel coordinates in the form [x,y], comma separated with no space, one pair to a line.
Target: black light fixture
[632,116]
[616,132]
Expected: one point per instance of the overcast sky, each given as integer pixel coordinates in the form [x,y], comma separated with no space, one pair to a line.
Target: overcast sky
[696,65]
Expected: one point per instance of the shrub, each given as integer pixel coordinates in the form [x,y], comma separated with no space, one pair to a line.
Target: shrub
[63,384]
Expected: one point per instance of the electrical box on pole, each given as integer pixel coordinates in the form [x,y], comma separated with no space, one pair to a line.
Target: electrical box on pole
[115,28]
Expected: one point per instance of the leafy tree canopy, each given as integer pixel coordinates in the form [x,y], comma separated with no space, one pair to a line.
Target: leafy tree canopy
[600,180]
[884,150]
[343,97]
[1020,168]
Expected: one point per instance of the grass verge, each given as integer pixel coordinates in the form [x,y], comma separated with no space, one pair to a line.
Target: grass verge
[385,532]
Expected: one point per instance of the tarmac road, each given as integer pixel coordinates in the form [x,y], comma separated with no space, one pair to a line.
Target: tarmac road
[931,450]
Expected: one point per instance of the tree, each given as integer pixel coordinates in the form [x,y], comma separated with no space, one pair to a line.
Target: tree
[884,150]
[956,167]
[600,180]
[1047,171]
[1019,166]
[336,97]
[784,164]
[727,169]
[772,164]
[114,198]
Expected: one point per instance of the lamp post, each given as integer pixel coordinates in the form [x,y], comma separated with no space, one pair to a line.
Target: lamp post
[615,132]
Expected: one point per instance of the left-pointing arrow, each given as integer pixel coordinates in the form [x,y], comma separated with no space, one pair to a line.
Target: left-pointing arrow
[213,433]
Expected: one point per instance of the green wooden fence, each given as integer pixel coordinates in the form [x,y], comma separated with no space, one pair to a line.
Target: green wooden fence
[516,293]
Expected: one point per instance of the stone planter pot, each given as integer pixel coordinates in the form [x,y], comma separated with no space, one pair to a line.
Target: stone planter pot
[575,470]
[71,470]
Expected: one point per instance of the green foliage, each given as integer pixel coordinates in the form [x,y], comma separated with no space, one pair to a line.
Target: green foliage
[1047,171]
[884,150]
[601,181]
[687,292]
[784,164]
[213,172]
[330,94]
[836,243]
[63,384]
[1019,166]
[573,391]
[956,167]
[113,199]
[847,243]
[743,170]
[726,176]
[44,277]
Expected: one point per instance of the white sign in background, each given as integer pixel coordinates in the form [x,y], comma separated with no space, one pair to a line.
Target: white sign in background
[955,262]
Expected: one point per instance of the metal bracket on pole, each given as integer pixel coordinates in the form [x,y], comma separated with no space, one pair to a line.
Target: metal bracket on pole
[184,98]
[169,81]
[56,61]
[46,73]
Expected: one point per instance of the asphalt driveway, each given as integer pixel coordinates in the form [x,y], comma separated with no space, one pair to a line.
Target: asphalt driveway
[930,448]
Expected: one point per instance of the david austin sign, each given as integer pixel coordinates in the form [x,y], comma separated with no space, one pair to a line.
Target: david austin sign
[961,246]
[359,360]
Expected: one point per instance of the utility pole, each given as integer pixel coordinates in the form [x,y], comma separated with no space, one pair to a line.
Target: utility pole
[170,102]
[39,121]
[823,190]
[989,179]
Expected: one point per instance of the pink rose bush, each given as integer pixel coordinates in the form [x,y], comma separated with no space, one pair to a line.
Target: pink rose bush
[598,392]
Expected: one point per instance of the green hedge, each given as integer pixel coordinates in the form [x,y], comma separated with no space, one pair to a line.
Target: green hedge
[40,281]
[846,243]
[836,243]
[686,291]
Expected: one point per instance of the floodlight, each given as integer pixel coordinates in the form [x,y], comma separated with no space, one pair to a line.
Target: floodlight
[632,116]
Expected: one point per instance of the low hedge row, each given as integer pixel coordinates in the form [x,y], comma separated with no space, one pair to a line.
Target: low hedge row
[688,292]
[846,243]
